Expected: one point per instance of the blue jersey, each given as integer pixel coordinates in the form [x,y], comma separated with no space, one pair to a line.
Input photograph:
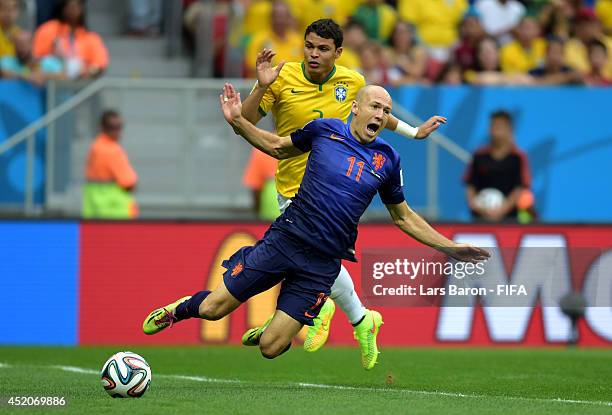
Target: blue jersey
[341,179]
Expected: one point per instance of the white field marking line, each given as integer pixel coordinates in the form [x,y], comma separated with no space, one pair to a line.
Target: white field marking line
[362,388]
[75,369]
[202,379]
[454,394]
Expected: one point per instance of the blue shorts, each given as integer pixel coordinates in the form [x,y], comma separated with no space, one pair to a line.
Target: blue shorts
[306,274]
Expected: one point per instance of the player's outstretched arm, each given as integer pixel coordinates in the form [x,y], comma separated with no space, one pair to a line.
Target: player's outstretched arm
[272,144]
[266,75]
[412,224]
[419,133]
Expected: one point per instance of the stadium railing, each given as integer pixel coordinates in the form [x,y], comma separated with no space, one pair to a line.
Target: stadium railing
[189,163]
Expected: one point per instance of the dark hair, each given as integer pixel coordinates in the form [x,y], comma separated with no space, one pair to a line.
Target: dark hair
[503,114]
[450,66]
[478,66]
[529,16]
[352,23]
[327,29]
[411,29]
[555,39]
[59,12]
[106,117]
[596,43]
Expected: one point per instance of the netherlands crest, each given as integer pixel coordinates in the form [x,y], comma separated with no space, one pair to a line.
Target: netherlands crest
[378,161]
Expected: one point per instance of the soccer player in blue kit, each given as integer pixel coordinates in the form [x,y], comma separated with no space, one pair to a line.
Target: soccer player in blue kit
[303,248]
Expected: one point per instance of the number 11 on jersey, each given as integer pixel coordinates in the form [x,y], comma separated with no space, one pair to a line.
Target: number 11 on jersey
[352,160]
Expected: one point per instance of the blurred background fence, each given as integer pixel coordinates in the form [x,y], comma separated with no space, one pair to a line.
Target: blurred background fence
[190,162]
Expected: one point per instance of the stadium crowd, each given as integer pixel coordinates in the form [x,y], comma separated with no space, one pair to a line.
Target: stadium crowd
[61,47]
[479,42]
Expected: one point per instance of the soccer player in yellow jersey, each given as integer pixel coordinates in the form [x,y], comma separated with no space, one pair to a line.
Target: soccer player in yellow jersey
[297,93]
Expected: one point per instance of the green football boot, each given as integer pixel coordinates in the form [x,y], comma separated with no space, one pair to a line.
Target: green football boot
[318,333]
[161,318]
[365,333]
[251,336]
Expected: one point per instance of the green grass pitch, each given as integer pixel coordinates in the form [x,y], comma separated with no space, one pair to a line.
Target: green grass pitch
[235,380]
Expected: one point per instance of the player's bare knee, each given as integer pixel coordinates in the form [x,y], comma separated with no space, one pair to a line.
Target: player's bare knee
[265,346]
[266,352]
[270,346]
[270,350]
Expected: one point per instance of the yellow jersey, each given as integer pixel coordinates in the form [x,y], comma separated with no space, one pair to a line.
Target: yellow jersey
[603,9]
[295,100]
[349,59]
[7,48]
[436,21]
[338,10]
[577,55]
[290,49]
[515,59]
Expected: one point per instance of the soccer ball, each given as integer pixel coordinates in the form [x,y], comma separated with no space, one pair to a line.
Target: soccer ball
[490,198]
[126,375]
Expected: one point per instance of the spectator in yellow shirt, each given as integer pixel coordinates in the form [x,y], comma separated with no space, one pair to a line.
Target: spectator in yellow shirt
[257,14]
[436,21]
[354,39]
[256,18]
[487,68]
[307,12]
[588,28]
[282,38]
[555,71]
[527,51]
[603,8]
[9,13]
[377,18]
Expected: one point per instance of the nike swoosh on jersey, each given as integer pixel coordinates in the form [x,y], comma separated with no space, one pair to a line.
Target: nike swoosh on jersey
[335,137]
[293,91]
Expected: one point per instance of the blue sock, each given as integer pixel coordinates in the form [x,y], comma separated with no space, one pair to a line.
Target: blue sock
[191,307]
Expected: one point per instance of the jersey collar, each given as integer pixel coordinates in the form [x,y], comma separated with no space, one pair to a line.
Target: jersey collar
[327,78]
[348,132]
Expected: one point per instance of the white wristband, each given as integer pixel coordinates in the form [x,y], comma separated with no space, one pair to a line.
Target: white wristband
[406,130]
